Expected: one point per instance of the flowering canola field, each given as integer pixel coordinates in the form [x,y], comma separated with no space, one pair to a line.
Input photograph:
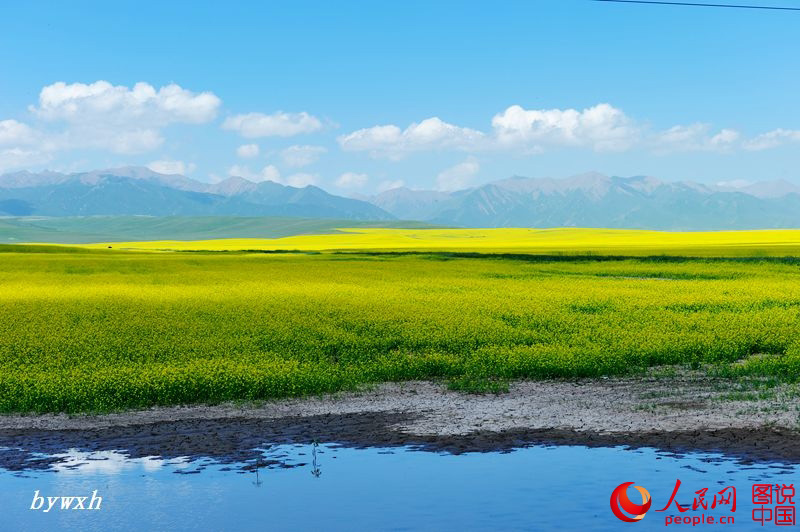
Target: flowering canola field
[98,330]
[781,242]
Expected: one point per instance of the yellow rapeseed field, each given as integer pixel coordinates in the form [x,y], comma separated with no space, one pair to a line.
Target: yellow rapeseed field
[783,242]
[101,329]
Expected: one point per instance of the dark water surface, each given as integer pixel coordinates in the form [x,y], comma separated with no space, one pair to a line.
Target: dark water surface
[329,487]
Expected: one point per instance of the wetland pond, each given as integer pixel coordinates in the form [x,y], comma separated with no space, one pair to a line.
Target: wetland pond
[330,486]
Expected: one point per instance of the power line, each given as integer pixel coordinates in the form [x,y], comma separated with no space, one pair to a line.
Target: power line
[697,4]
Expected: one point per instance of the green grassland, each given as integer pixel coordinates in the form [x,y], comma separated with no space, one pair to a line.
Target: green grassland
[84,229]
[105,330]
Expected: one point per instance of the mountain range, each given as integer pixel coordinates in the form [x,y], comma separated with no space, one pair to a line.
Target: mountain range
[586,200]
[597,200]
[139,191]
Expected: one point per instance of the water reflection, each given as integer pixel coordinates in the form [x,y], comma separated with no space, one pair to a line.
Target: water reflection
[315,470]
[258,481]
[535,488]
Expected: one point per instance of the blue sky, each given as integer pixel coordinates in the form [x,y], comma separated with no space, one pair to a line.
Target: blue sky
[360,96]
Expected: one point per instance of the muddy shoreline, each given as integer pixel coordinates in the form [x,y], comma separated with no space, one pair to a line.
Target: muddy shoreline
[676,415]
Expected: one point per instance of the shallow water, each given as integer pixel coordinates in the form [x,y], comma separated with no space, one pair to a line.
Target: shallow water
[535,488]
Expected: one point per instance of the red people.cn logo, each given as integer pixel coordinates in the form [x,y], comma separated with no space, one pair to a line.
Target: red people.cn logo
[624,508]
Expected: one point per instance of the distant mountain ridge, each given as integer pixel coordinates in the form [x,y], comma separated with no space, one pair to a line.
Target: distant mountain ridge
[597,200]
[139,191]
[585,200]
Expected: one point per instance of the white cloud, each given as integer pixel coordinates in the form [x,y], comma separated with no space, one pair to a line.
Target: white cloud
[172,167]
[601,128]
[383,186]
[13,133]
[132,120]
[116,118]
[392,142]
[299,156]
[682,135]
[302,180]
[352,180]
[280,124]
[142,105]
[772,139]
[694,137]
[459,176]
[20,158]
[268,173]
[21,146]
[725,138]
[248,151]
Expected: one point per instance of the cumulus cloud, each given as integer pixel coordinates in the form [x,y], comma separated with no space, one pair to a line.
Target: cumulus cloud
[20,146]
[459,176]
[268,173]
[601,128]
[172,167]
[772,139]
[116,118]
[392,142]
[725,138]
[280,124]
[678,135]
[248,151]
[133,120]
[299,156]
[142,105]
[14,133]
[352,180]
[694,137]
